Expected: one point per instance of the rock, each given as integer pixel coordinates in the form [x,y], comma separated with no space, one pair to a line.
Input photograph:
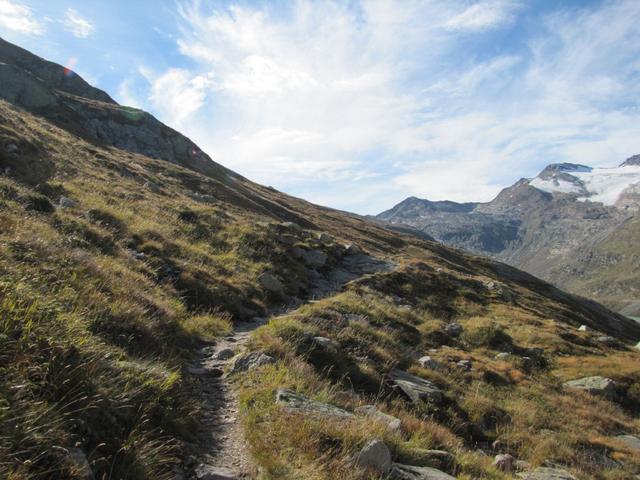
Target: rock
[152,187]
[465,364]
[314,258]
[224,354]
[249,361]
[325,238]
[630,441]
[583,328]
[409,472]
[271,284]
[287,239]
[80,463]
[66,202]
[11,148]
[607,340]
[521,465]
[503,462]
[494,378]
[294,227]
[208,472]
[637,346]
[596,385]
[503,356]
[326,344]
[428,362]
[439,459]
[453,329]
[374,457]
[546,473]
[392,423]
[300,403]
[352,249]
[417,389]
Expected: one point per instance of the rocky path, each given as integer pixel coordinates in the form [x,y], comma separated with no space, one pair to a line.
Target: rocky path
[223,453]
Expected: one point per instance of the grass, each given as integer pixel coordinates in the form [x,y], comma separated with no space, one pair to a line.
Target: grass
[103,303]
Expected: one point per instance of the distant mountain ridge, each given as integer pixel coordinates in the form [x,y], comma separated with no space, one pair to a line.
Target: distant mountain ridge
[572,224]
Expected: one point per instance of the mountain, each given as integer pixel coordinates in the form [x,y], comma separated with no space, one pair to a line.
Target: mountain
[572,225]
[162,317]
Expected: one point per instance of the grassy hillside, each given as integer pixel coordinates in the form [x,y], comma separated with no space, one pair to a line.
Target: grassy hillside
[115,267]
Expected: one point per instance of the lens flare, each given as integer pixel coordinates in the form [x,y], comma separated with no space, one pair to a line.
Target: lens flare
[68,68]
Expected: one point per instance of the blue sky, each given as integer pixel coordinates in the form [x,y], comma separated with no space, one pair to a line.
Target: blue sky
[359,104]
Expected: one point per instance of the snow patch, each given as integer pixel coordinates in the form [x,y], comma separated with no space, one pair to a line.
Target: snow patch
[603,185]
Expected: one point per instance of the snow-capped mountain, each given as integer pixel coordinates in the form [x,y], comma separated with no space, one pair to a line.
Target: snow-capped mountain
[604,185]
[572,224]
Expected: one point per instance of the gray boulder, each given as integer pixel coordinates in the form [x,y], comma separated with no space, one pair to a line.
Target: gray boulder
[300,403]
[270,283]
[453,329]
[152,187]
[292,226]
[504,462]
[409,472]
[546,473]
[417,389]
[352,249]
[249,361]
[314,258]
[607,340]
[326,344]
[208,472]
[374,457]
[630,441]
[66,202]
[325,238]
[465,364]
[392,423]
[583,328]
[224,354]
[503,356]
[428,362]
[595,385]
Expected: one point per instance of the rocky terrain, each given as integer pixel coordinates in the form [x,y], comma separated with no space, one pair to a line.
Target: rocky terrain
[164,318]
[572,225]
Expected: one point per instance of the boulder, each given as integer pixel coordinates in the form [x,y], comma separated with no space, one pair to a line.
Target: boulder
[294,227]
[409,472]
[152,187]
[374,457]
[607,340]
[208,472]
[270,283]
[392,423]
[583,328]
[596,385]
[630,441]
[439,459]
[428,362]
[417,389]
[546,473]
[326,344]
[314,258]
[66,202]
[504,462]
[503,356]
[249,361]
[224,354]
[297,402]
[325,238]
[453,329]
[637,346]
[352,249]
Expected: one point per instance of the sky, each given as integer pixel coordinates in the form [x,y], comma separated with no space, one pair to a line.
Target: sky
[359,104]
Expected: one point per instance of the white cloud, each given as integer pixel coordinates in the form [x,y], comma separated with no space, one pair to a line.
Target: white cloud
[80,27]
[484,15]
[329,98]
[19,18]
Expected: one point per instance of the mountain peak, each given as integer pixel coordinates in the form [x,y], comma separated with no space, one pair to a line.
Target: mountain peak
[631,161]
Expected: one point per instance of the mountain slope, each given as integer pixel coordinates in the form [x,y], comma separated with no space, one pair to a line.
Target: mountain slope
[123,261]
[572,225]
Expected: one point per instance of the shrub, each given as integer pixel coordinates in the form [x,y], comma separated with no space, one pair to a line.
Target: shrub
[492,336]
[38,203]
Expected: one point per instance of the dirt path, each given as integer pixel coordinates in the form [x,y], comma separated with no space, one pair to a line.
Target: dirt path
[223,453]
